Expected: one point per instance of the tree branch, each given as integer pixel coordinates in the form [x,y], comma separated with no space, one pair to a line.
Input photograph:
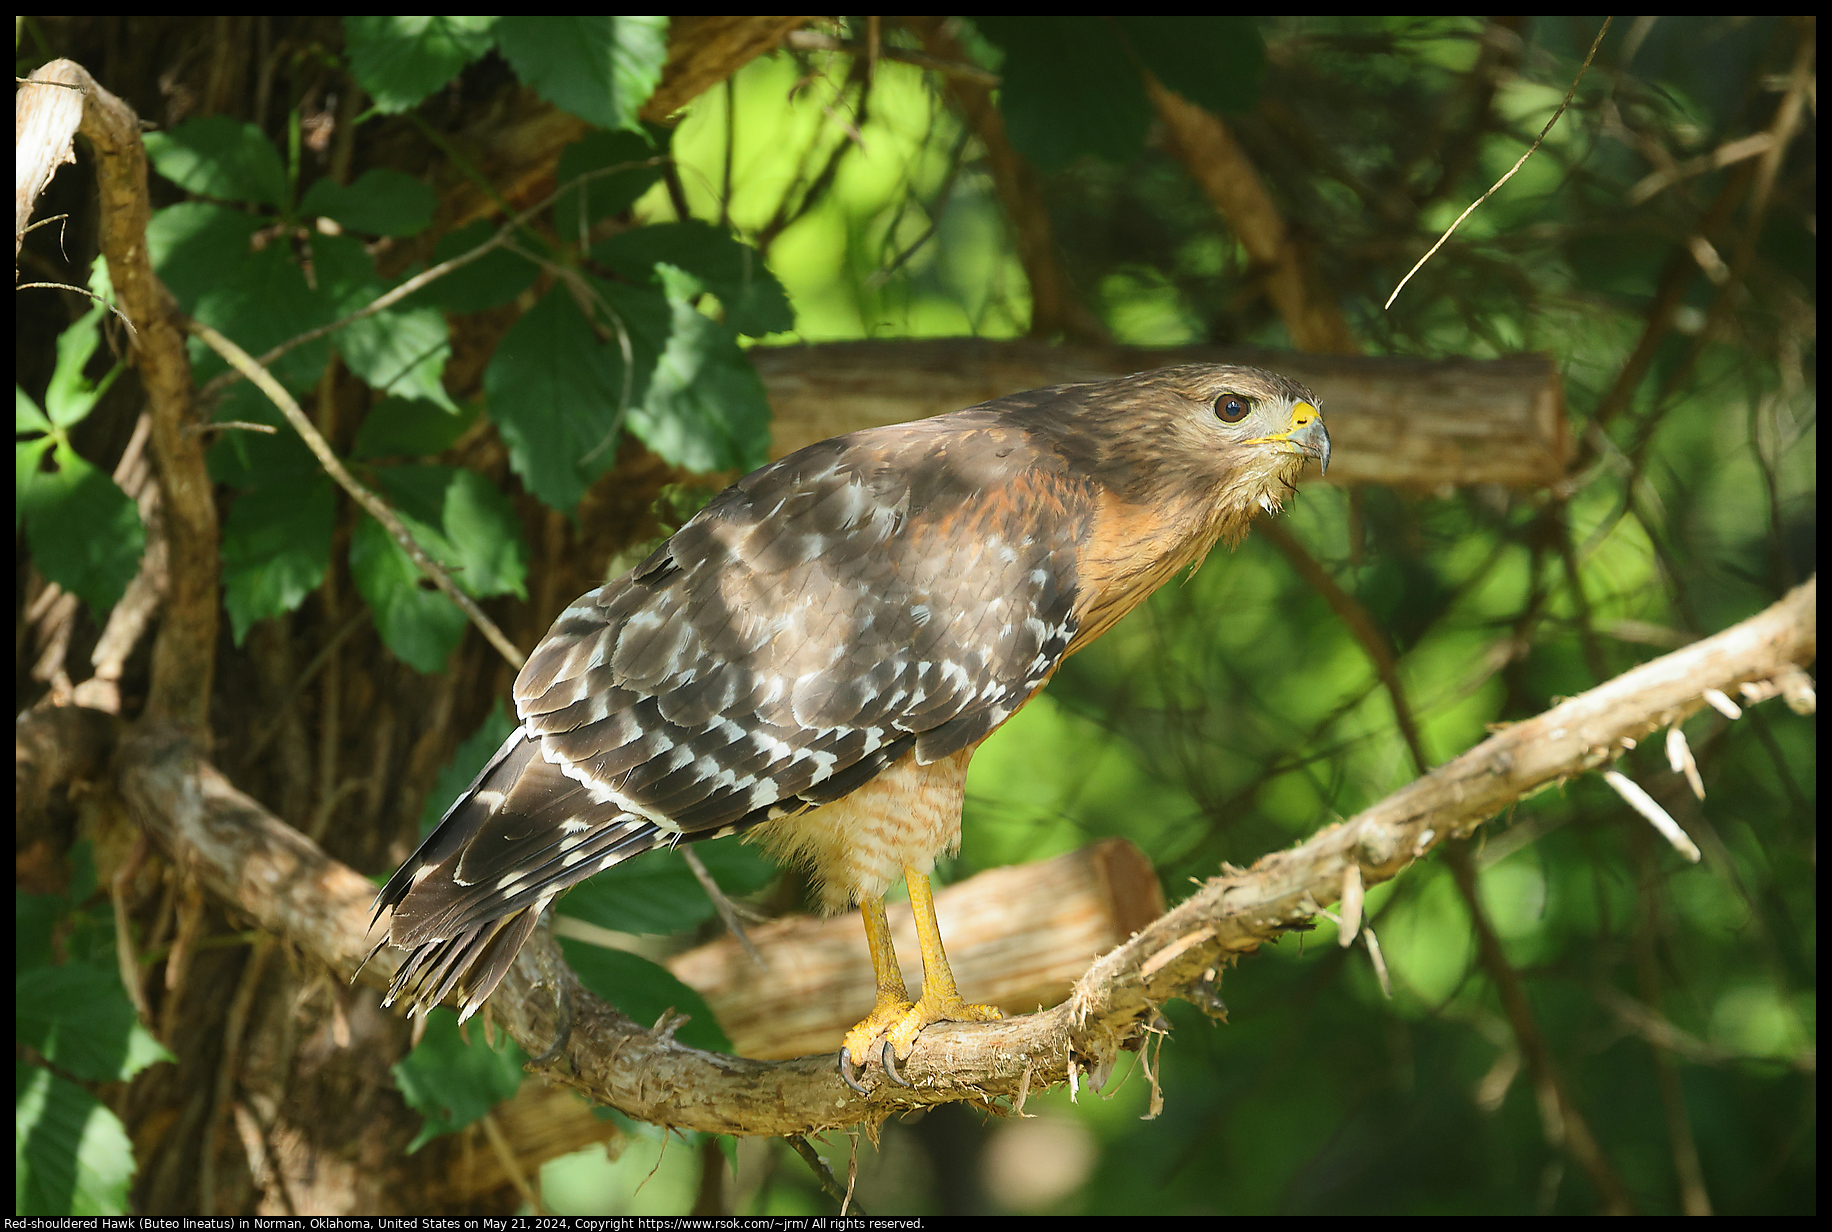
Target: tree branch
[268,870]
[184,653]
[1424,425]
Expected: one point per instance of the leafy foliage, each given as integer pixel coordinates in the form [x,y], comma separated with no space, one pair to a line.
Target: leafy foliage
[1649,245]
[570,376]
[80,525]
[74,1028]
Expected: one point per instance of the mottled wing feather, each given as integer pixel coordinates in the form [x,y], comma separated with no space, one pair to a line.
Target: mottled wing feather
[901,589]
[907,587]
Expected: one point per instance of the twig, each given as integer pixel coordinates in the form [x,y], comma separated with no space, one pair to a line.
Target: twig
[389,299]
[505,1155]
[722,904]
[1564,1126]
[371,503]
[830,1184]
[1520,162]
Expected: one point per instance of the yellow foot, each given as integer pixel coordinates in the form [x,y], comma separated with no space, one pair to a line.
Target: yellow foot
[902,1036]
[899,1023]
[863,1038]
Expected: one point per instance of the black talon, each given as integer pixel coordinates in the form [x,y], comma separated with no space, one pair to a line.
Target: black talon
[889,1056]
[847,1072]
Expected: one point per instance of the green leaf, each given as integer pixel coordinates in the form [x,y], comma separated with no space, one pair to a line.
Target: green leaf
[70,394]
[657,893]
[382,202]
[78,1016]
[35,918]
[411,427]
[195,246]
[467,762]
[400,60]
[84,531]
[643,991]
[262,301]
[28,456]
[71,1155]
[653,893]
[276,547]
[493,279]
[553,391]
[462,522]
[244,459]
[219,157]
[420,625]
[451,1082]
[399,351]
[755,302]
[601,69]
[26,415]
[702,406]
[1068,88]
[584,202]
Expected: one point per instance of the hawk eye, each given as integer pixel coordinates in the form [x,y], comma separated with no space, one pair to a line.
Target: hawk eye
[1232,408]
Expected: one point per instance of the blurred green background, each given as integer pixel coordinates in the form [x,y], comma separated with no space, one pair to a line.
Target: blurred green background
[1660,247]
[1235,715]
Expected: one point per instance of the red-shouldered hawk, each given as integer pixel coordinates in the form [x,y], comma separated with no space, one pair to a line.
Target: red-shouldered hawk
[815,655]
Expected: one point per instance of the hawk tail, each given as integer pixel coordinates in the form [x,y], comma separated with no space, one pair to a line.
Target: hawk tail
[468,900]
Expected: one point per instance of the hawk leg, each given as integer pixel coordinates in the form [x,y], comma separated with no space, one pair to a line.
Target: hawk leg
[894,1016]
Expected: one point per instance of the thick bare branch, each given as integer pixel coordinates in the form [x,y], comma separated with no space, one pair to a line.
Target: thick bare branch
[1427,425]
[268,870]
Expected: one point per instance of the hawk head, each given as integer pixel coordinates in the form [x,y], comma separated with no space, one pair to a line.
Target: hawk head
[1207,443]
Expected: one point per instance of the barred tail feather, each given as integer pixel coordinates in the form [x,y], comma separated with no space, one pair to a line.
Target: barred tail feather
[470,897]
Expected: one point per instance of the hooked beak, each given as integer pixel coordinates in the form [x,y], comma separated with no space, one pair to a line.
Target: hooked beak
[1306,432]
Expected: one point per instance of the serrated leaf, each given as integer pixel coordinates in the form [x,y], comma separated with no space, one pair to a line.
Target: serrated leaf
[401,60]
[196,245]
[553,391]
[84,531]
[586,195]
[216,156]
[71,1155]
[260,302]
[702,406]
[411,427]
[276,547]
[417,623]
[652,893]
[399,351]
[381,202]
[491,280]
[657,893]
[78,1016]
[249,459]
[601,69]
[463,523]
[26,415]
[452,1083]
[71,395]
